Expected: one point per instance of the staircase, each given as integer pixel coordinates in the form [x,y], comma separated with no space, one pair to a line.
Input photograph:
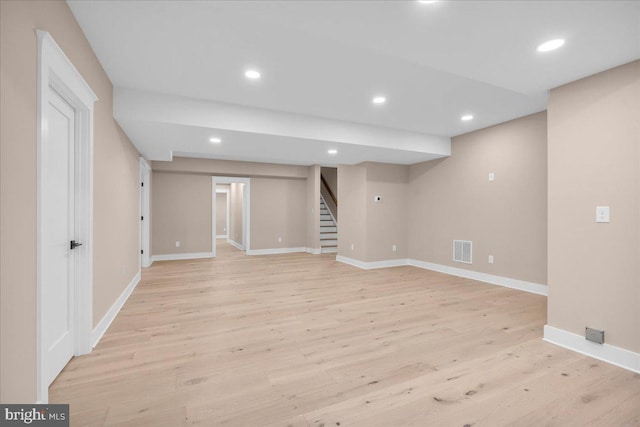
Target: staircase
[328,230]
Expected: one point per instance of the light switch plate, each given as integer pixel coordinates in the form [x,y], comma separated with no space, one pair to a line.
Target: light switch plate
[492,177]
[602,214]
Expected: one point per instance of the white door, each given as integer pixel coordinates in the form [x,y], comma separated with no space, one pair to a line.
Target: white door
[58,220]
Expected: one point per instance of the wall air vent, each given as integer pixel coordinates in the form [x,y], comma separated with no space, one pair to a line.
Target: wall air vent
[462,251]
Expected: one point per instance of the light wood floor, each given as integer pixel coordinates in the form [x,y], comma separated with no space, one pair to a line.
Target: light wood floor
[301,340]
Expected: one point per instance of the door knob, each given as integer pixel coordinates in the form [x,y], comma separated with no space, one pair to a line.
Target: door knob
[75,244]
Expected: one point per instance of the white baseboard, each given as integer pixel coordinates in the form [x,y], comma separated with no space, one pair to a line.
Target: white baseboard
[222,236]
[314,251]
[104,324]
[606,352]
[236,244]
[174,257]
[375,264]
[275,251]
[533,288]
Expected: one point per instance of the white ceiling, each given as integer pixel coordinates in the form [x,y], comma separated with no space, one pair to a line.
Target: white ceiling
[327,59]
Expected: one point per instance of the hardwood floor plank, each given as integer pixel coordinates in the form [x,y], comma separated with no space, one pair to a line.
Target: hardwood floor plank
[302,340]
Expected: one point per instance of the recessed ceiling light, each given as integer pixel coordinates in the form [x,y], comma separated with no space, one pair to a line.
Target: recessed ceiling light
[215,140]
[252,74]
[332,151]
[379,100]
[550,45]
[427,1]
[466,117]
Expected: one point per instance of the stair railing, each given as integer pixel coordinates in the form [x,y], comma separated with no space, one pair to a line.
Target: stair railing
[333,196]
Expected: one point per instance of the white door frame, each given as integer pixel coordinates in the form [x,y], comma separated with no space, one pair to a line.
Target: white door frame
[57,72]
[224,191]
[145,212]
[246,209]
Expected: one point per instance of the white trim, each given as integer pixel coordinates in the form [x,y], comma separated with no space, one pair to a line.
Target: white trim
[234,243]
[145,212]
[507,282]
[374,264]
[274,251]
[328,250]
[110,316]
[533,288]
[606,352]
[56,71]
[174,257]
[246,210]
[314,251]
[222,236]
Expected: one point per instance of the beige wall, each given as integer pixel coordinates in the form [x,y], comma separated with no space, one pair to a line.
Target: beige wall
[181,211]
[150,213]
[594,160]
[232,168]
[373,228]
[221,214]
[116,186]
[426,206]
[352,231]
[386,221]
[281,200]
[452,198]
[235,214]
[278,209]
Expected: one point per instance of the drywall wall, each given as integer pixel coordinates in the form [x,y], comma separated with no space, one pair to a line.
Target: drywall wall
[116,186]
[231,168]
[235,213]
[150,215]
[372,227]
[453,198]
[221,214]
[386,224]
[278,209]
[181,211]
[594,160]
[282,197]
[352,232]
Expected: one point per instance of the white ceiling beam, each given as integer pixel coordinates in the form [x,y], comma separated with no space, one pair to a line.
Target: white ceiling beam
[134,105]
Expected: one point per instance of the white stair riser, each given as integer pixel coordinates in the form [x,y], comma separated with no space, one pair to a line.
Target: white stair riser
[328,250]
[328,235]
[328,230]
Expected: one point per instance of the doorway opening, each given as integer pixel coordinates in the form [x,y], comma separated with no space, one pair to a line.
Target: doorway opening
[234,230]
[223,211]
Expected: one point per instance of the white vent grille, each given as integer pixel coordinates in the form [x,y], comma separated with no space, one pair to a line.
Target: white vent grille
[462,250]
